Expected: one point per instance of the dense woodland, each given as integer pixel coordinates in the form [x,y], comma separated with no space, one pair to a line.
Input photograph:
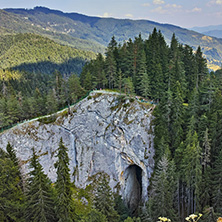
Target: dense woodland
[187,128]
[37,77]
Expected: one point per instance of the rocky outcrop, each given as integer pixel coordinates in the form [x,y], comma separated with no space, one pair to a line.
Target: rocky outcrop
[104,132]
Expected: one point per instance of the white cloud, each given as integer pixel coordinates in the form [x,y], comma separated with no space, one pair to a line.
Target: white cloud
[158,2]
[129,15]
[196,9]
[106,15]
[146,4]
[159,10]
[214,2]
[219,2]
[174,6]
[210,3]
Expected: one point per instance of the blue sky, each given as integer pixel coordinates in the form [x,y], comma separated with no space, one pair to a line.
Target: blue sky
[184,13]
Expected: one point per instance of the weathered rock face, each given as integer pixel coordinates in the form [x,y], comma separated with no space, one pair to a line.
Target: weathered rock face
[103,133]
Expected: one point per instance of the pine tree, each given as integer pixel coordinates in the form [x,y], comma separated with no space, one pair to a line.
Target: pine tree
[12,155]
[201,66]
[11,195]
[74,89]
[40,203]
[64,202]
[51,102]
[94,216]
[190,68]
[177,118]
[163,189]
[192,171]
[120,207]
[217,183]
[143,83]
[111,69]
[99,72]
[162,122]
[104,199]
[156,57]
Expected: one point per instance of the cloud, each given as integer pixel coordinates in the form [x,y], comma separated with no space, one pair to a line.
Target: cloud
[214,2]
[196,9]
[105,15]
[146,4]
[219,2]
[129,15]
[174,6]
[158,2]
[159,10]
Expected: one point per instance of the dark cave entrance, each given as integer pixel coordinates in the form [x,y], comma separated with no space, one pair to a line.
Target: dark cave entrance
[133,188]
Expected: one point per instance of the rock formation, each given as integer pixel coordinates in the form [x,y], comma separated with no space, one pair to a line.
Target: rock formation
[104,132]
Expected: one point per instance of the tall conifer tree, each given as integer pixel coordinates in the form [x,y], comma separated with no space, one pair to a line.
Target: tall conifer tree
[40,203]
[64,202]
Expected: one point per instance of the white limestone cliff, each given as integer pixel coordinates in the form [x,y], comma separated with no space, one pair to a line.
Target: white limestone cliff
[104,132]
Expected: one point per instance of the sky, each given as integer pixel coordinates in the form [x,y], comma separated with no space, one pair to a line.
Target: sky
[183,13]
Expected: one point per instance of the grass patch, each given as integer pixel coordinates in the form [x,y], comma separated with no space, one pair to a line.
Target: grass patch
[48,120]
[97,95]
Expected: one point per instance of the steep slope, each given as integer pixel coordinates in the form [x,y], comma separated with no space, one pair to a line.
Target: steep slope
[11,23]
[35,53]
[104,132]
[101,30]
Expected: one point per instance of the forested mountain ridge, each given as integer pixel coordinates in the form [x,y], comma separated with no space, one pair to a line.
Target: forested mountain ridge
[11,23]
[34,53]
[101,30]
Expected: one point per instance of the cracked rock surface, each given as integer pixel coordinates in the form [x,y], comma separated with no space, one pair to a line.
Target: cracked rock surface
[104,132]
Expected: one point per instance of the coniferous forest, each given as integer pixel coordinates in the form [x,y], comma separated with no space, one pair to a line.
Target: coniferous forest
[187,127]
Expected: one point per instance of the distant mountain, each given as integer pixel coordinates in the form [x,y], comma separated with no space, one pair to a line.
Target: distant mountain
[214,33]
[68,27]
[35,53]
[213,30]
[11,23]
[207,28]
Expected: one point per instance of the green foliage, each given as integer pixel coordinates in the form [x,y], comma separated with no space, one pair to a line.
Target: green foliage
[163,188]
[120,207]
[40,202]
[36,95]
[216,182]
[64,202]
[104,199]
[90,32]
[95,216]
[38,54]
[11,194]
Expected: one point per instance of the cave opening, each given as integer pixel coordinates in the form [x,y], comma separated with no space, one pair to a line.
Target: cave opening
[133,188]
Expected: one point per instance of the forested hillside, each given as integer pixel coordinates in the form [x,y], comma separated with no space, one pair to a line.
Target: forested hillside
[187,125]
[34,53]
[100,30]
[32,69]
[11,23]
[187,130]
[35,75]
